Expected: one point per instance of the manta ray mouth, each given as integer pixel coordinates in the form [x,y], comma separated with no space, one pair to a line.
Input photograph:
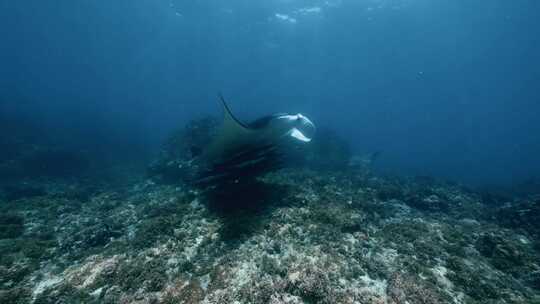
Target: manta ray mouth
[305,129]
[299,135]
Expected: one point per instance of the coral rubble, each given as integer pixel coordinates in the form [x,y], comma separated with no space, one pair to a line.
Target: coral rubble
[332,237]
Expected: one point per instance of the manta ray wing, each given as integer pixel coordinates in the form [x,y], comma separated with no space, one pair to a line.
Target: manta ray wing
[238,151]
[231,137]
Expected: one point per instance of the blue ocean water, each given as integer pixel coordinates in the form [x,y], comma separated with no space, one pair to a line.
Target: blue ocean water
[441,88]
[412,175]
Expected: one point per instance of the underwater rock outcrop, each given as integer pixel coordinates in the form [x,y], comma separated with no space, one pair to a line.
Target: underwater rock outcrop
[328,151]
[173,164]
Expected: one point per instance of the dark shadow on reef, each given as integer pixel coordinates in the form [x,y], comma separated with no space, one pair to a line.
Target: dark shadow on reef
[242,206]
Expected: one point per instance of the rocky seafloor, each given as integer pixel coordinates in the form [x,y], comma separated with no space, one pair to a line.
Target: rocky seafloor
[327,231]
[296,236]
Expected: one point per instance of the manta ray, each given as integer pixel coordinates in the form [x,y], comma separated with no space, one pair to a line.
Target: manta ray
[242,151]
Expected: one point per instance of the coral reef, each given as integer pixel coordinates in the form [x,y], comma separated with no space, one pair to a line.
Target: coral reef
[332,237]
[333,234]
[174,162]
